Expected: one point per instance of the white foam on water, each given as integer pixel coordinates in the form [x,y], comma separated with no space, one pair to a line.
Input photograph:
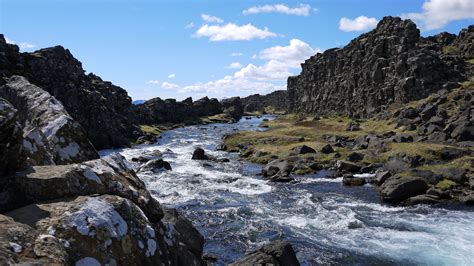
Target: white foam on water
[337,221]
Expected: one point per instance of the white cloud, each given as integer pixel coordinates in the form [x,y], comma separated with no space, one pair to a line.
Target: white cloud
[300,10]
[233,32]
[438,13]
[190,25]
[235,65]
[153,82]
[211,19]
[22,45]
[236,54]
[254,56]
[232,86]
[292,55]
[171,76]
[272,70]
[361,23]
[169,86]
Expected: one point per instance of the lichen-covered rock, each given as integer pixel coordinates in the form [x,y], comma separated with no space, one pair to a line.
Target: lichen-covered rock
[390,64]
[108,175]
[104,229]
[277,252]
[50,135]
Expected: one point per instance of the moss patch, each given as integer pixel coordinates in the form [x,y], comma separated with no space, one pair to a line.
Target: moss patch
[451,50]
[151,129]
[445,184]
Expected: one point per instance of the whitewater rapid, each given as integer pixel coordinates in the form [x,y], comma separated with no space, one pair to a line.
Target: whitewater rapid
[236,210]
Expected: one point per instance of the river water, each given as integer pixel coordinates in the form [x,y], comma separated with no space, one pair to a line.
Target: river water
[236,210]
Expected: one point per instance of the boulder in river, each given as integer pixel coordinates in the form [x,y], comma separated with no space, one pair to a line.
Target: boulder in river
[278,171]
[350,180]
[200,154]
[399,188]
[278,252]
[155,165]
[347,166]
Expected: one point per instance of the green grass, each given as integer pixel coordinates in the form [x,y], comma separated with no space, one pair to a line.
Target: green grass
[445,184]
[150,129]
[451,50]
[470,61]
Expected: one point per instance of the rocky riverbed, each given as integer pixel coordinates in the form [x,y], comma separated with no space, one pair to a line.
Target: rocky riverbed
[237,210]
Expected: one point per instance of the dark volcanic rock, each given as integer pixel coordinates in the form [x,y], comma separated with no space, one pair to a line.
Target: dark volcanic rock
[275,101]
[155,165]
[157,110]
[278,252]
[278,171]
[327,149]
[50,135]
[11,135]
[390,64]
[397,188]
[353,181]
[233,107]
[303,149]
[347,166]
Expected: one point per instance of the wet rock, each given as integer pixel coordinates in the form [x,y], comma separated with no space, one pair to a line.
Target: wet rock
[303,149]
[397,188]
[278,170]
[381,177]
[421,199]
[327,149]
[188,243]
[355,157]
[156,165]
[350,180]
[51,136]
[277,252]
[200,154]
[347,166]
[146,139]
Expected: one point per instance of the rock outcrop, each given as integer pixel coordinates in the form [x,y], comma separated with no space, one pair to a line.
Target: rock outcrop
[95,212]
[390,64]
[276,101]
[157,111]
[103,109]
[50,135]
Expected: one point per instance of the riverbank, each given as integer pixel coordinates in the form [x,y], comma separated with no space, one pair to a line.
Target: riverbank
[367,151]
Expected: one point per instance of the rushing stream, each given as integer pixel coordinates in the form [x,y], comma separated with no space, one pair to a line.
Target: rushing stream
[236,210]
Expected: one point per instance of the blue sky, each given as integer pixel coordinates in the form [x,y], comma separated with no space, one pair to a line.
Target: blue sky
[176,49]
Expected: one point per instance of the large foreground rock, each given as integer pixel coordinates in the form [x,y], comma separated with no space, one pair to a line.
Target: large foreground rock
[278,252]
[86,231]
[108,175]
[397,188]
[50,134]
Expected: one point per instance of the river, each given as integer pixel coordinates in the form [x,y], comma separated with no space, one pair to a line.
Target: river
[236,210]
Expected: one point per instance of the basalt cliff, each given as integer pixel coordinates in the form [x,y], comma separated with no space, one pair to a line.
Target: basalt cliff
[391,64]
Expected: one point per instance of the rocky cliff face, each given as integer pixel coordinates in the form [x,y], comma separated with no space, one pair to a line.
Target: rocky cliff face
[390,64]
[103,109]
[275,101]
[157,110]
